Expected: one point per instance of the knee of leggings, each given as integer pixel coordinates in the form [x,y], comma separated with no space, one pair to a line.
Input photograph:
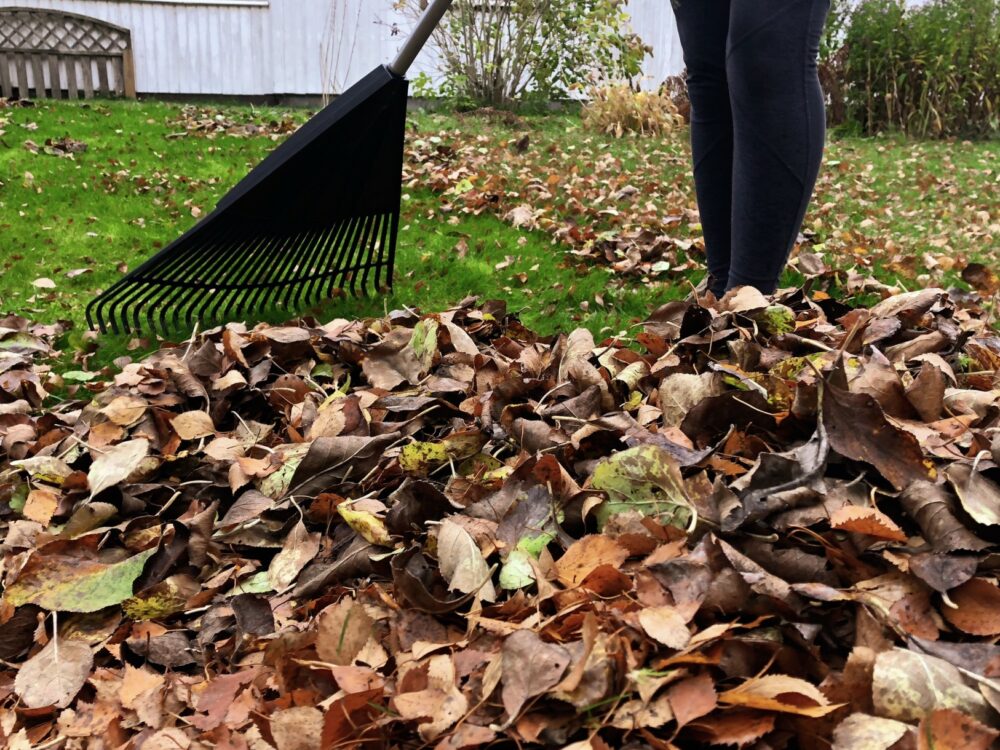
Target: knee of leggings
[708,87]
[759,72]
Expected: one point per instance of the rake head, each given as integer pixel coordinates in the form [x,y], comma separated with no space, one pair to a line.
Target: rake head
[320,214]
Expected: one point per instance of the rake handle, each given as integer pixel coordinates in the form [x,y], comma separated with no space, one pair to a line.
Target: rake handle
[429,21]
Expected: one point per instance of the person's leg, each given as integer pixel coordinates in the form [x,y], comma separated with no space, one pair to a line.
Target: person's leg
[780,126]
[704,28]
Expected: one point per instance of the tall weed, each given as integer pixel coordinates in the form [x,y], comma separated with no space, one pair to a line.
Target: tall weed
[930,70]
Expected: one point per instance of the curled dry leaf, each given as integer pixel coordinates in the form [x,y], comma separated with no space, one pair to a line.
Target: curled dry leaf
[299,728]
[439,705]
[530,668]
[586,555]
[300,547]
[462,563]
[780,693]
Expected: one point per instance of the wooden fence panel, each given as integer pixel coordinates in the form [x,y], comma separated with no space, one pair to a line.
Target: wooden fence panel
[6,87]
[36,41]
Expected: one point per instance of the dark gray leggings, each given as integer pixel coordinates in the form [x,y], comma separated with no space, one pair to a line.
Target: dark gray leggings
[758,126]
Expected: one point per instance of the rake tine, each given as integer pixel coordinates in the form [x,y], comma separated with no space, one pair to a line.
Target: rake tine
[157,283]
[97,307]
[227,296]
[234,303]
[291,273]
[177,291]
[239,252]
[338,253]
[380,262]
[391,262]
[326,281]
[260,291]
[223,293]
[218,276]
[369,259]
[374,250]
[380,258]
[311,242]
[358,251]
[187,305]
[216,262]
[324,264]
[342,266]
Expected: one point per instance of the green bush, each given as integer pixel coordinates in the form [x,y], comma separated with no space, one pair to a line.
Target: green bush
[501,53]
[930,70]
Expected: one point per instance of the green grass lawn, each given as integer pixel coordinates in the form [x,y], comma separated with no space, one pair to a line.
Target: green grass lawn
[79,222]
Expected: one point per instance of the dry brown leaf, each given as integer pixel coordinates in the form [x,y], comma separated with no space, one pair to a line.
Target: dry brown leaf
[299,728]
[125,411]
[192,425]
[441,702]
[41,505]
[634,715]
[692,698]
[665,625]
[586,555]
[462,563]
[863,732]
[868,521]
[343,629]
[300,547]
[739,727]
[116,464]
[530,667]
[977,608]
[948,729]
[54,675]
[780,693]
[136,682]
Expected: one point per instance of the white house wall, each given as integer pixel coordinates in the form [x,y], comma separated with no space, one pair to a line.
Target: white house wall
[256,47]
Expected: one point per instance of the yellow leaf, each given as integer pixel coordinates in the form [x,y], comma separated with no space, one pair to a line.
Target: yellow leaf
[368,525]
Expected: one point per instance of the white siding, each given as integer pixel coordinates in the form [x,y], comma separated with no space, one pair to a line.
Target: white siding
[278,48]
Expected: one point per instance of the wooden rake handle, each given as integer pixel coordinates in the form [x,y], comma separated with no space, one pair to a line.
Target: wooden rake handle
[429,21]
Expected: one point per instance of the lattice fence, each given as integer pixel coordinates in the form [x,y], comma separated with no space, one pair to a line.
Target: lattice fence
[50,54]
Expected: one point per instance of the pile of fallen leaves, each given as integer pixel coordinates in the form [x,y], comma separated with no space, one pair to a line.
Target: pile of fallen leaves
[769,523]
[207,122]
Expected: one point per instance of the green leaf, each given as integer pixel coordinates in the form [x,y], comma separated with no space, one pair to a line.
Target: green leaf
[424,342]
[517,572]
[777,319]
[79,376]
[258,583]
[646,479]
[275,485]
[65,583]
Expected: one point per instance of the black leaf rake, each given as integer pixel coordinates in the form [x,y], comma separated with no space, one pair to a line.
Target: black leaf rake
[319,216]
